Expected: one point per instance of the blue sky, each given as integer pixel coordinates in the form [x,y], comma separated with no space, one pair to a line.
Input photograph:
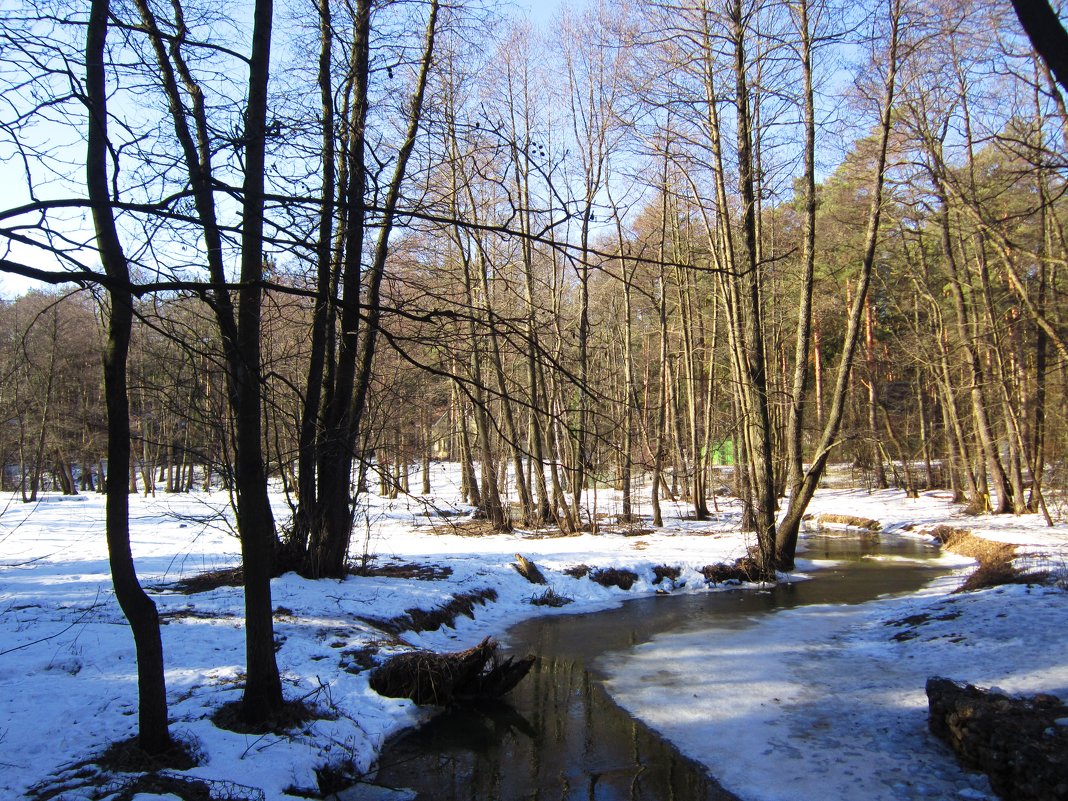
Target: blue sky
[542,11]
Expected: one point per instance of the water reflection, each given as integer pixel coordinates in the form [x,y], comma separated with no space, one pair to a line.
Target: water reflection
[560,736]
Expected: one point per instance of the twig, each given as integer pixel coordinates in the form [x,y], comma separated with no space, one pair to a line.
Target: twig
[253,745]
[81,617]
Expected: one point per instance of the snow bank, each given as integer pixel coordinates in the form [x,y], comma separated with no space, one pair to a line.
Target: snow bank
[68,679]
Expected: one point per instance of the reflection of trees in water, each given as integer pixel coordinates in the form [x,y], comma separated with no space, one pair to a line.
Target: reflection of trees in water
[558,736]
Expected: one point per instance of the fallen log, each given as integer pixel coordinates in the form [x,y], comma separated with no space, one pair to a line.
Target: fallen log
[528,570]
[426,677]
[1020,743]
[848,521]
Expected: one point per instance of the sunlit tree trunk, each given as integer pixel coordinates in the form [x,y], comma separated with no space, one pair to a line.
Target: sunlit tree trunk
[789,525]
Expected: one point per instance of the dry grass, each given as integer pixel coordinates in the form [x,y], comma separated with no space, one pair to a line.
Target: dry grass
[404,570]
[617,524]
[211,580]
[995,574]
[747,569]
[292,715]
[963,542]
[551,598]
[605,576]
[995,559]
[467,527]
[126,756]
[670,572]
[614,577]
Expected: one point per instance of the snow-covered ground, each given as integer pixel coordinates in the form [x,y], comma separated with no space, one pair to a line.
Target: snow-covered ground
[67,673]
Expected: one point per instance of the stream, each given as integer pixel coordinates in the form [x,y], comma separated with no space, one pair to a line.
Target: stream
[559,735]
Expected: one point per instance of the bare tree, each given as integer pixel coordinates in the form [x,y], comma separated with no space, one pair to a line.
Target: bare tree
[154,735]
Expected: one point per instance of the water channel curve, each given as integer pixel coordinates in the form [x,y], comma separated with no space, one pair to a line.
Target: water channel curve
[559,736]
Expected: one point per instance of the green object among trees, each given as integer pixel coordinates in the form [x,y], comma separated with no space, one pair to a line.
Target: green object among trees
[723,452]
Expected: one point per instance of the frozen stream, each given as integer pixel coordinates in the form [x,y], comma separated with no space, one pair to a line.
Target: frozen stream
[561,736]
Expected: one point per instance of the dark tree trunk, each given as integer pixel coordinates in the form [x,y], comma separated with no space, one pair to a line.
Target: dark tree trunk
[263,686]
[1047,35]
[304,519]
[153,734]
[346,402]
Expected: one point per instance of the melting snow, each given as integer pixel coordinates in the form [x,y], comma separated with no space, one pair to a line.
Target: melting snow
[812,702]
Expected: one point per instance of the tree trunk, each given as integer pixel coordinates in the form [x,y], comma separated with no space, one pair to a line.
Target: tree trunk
[46,415]
[873,429]
[757,418]
[263,687]
[789,527]
[799,387]
[360,318]
[976,377]
[153,733]
[305,518]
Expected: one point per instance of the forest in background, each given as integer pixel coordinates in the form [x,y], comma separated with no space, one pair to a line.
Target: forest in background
[325,243]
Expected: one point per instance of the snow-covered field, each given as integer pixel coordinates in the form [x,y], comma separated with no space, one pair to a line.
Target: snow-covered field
[67,673]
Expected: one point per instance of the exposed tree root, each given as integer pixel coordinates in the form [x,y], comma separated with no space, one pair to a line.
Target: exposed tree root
[427,677]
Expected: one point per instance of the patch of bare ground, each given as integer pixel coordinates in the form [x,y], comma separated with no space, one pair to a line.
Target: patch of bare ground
[357,660]
[910,626]
[614,577]
[467,527]
[669,572]
[603,524]
[209,580]
[404,570]
[98,777]
[191,613]
[605,576]
[577,571]
[432,619]
[126,756]
[188,789]
[746,569]
[995,559]
[292,716]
